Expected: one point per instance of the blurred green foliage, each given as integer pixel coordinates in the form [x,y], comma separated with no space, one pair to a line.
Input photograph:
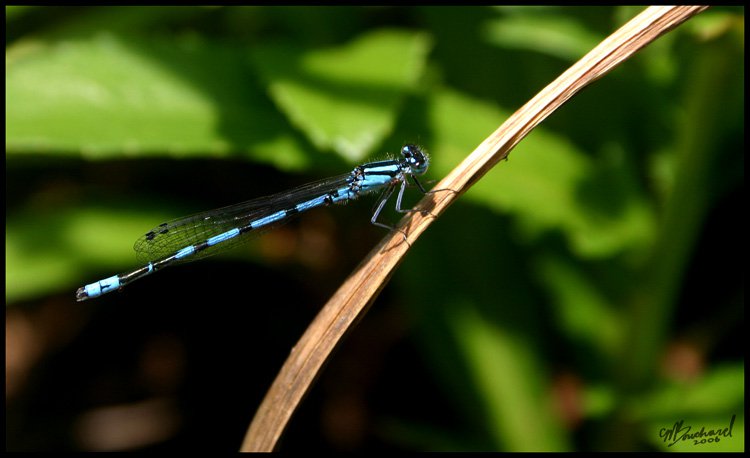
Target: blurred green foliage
[571,258]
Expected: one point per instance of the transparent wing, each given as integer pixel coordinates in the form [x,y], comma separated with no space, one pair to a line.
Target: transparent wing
[168,238]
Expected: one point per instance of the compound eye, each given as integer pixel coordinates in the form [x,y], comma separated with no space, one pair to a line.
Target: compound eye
[416,159]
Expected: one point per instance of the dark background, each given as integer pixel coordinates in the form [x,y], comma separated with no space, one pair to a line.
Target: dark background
[584,295]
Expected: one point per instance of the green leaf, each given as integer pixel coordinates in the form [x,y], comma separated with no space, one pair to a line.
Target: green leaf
[548,183]
[708,403]
[718,391]
[507,376]
[344,98]
[554,35]
[46,251]
[108,96]
[581,311]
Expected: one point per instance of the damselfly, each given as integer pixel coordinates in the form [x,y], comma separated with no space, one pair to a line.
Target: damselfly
[203,234]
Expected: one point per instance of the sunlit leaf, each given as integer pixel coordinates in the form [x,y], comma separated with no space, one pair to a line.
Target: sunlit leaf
[548,183]
[554,35]
[345,98]
[109,96]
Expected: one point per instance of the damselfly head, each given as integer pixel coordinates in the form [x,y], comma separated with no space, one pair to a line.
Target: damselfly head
[416,158]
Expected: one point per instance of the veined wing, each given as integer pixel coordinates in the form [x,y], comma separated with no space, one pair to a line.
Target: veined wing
[168,238]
